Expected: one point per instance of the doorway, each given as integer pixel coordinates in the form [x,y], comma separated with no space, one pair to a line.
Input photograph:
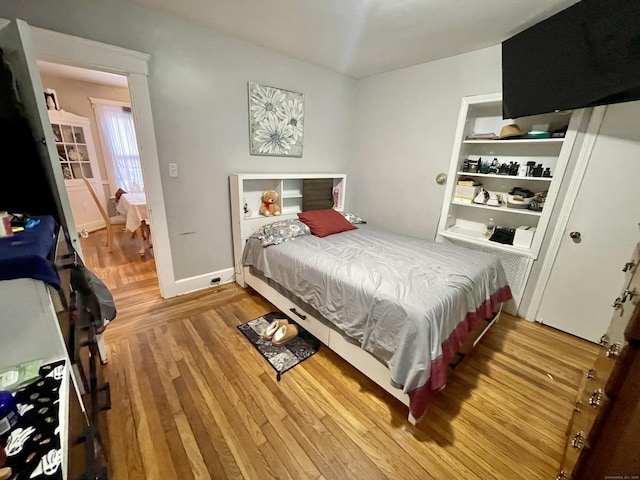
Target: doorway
[40,44]
[92,121]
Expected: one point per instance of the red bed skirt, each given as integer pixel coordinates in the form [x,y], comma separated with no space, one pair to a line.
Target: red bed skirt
[420,397]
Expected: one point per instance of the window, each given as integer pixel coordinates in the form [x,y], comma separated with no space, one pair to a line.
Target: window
[119,144]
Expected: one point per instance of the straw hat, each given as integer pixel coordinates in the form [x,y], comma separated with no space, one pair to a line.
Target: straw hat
[511,131]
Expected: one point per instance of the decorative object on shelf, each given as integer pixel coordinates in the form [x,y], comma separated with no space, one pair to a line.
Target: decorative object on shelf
[481,136]
[537,204]
[489,228]
[276,121]
[520,197]
[245,207]
[503,235]
[482,197]
[524,236]
[537,170]
[269,206]
[511,131]
[51,99]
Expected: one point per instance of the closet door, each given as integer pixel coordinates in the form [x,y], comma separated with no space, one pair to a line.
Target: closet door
[601,231]
[16,44]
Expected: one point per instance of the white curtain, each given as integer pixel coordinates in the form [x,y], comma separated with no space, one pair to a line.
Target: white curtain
[119,138]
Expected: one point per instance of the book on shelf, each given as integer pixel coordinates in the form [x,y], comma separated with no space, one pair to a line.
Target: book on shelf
[469,183]
[481,136]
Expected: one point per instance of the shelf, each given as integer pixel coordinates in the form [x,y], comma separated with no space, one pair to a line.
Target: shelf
[471,236]
[523,141]
[521,211]
[511,177]
[291,194]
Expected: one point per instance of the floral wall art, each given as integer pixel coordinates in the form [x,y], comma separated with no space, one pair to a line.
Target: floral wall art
[276,121]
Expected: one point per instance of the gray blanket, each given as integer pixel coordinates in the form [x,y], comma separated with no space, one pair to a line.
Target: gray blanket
[398,297]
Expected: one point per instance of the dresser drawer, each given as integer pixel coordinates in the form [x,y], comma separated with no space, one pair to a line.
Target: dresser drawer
[576,442]
[307,321]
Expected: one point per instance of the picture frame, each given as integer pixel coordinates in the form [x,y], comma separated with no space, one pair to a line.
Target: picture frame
[276,121]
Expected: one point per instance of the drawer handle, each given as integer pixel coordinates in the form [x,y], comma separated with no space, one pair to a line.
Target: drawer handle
[614,350]
[628,266]
[578,441]
[596,398]
[106,388]
[295,312]
[562,475]
[577,407]
[604,340]
[591,374]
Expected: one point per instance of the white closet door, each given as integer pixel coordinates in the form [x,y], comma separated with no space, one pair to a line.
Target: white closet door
[587,274]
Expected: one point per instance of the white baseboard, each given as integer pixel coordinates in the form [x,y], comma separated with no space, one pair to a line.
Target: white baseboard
[91,226]
[200,282]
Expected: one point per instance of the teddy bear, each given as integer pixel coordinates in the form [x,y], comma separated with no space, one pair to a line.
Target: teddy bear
[269,206]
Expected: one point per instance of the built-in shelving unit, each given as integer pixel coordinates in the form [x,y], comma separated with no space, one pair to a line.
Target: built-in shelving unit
[247,188]
[464,222]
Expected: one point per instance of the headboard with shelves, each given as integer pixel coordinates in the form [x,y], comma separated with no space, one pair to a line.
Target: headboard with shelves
[249,187]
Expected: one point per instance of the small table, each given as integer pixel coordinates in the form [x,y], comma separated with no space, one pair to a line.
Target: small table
[134,207]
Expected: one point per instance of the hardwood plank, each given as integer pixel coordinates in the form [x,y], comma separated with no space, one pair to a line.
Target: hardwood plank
[193,398]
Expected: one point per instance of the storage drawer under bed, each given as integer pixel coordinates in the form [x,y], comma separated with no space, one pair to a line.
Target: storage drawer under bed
[314,326]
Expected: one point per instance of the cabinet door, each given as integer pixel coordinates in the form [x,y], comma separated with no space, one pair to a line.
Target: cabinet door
[16,43]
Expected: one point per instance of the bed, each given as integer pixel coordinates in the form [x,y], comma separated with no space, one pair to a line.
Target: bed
[397,308]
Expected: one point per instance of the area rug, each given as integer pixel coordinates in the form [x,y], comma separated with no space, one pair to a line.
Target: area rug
[283,357]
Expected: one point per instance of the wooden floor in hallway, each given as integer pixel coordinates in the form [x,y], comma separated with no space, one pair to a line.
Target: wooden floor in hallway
[193,399]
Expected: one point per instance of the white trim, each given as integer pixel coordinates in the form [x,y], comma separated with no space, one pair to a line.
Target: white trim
[104,101]
[91,226]
[567,207]
[62,48]
[200,282]
[67,49]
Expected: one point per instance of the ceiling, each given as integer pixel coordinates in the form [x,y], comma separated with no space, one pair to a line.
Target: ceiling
[83,74]
[360,38]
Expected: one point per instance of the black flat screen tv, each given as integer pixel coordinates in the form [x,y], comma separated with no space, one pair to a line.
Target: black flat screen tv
[586,55]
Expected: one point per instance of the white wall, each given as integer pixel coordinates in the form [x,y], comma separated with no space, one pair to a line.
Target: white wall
[405,127]
[198,85]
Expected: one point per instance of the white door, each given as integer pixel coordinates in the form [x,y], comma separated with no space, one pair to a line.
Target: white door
[587,274]
[15,41]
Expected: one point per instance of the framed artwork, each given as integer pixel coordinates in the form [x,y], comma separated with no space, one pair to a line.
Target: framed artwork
[276,121]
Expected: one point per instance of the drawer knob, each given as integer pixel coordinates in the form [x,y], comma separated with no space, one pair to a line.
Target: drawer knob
[614,350]
[578,441]
[591,374]
[562,475]
[577,407]
[604,340]
[596,398]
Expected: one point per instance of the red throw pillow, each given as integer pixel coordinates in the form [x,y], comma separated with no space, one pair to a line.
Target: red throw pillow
[325,222]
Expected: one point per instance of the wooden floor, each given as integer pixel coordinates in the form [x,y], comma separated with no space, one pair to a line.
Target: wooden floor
[193,399]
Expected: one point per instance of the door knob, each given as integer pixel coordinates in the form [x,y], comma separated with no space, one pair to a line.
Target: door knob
[575,235]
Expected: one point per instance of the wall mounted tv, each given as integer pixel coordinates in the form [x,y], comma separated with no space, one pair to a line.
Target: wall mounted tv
[586,55]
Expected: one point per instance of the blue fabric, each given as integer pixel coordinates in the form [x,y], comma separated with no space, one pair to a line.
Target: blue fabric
[26,253]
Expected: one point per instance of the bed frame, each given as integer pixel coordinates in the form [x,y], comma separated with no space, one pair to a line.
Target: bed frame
[247,189]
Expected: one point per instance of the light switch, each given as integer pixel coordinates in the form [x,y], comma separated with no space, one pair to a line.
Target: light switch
[173,169]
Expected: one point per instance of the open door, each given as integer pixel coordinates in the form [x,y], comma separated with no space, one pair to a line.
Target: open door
[16,44]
